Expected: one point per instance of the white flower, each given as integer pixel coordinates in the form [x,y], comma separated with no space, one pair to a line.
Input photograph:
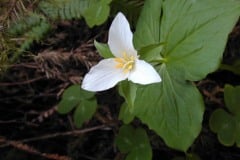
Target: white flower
[108,72]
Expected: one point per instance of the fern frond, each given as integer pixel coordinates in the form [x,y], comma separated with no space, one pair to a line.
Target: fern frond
[31,28]
[64,9]
[25,23]
[95,12]
[36,33]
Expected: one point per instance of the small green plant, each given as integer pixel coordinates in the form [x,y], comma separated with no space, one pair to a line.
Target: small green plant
[226,123]
[134,143]
[182,41]
[84,102]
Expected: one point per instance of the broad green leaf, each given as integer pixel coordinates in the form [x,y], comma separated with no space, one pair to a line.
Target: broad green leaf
[194,44]
[66,105]
[148,25]
[226,127]
[84,111]
[71,98]
[125,138]
[103,50]
[142,149]
[128,91]
[72,92]
[125,115]
[97,13]
[218,120]
[227,134]
[140,154]
[194,40]
[134,142]
[76,92]
[231,98]
[151,53]
[173,109]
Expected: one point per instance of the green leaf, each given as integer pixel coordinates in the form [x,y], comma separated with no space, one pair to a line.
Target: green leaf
[134,142]
[231,98]
[218,120]
[226,135]
[103,49]
[193,37]
[225,125]
[124,139]
[173,109]
[72,97]
[194,44]
[151,53]
[142,149]
[66,105]
[75,92]
[97,13]
[148,25]
[140,154]
[128,91]
[84,111]
[125,115]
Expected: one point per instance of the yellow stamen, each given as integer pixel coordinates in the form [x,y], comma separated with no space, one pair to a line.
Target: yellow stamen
[126,62]
[119,60]
[119,65]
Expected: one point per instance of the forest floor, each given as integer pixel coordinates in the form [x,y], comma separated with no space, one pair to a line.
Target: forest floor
[32,129]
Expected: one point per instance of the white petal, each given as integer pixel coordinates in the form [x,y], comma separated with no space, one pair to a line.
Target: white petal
[103,76]
[144,73]
[120,37]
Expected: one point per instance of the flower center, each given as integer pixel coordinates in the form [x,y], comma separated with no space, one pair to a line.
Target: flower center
[126,62]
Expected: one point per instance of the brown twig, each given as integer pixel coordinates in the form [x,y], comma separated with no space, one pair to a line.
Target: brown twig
[21,83]
[45,114]
[48,136]
[32,150]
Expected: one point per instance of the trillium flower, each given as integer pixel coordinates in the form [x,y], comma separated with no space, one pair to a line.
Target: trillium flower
[126,64]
